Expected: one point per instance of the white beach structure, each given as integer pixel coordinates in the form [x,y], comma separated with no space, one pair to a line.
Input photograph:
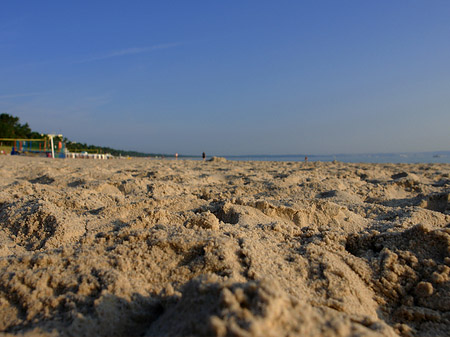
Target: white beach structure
[52,144]
[85,155]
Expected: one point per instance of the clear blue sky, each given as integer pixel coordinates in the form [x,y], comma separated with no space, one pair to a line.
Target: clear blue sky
[231,77]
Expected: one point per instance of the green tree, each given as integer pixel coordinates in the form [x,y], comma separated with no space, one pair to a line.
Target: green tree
[8,126]
[11,128]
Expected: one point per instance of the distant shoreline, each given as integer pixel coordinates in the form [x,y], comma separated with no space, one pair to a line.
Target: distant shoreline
[441,157]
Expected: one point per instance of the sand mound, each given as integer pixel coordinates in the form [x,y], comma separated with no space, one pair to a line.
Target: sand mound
[218,160]
[255,308]
[37,224]
[411,272]
[164,248]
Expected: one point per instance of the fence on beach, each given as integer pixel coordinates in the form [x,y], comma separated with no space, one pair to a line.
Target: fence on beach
[33,147]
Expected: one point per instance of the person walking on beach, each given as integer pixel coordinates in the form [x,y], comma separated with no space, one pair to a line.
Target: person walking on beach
[204,156]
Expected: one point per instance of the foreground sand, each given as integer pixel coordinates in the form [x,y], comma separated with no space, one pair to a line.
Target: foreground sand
[155,248]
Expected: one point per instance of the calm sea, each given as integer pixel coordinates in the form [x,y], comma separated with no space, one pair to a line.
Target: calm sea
[411,158]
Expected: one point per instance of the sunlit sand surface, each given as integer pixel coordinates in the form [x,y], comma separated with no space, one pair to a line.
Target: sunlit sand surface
[146,247]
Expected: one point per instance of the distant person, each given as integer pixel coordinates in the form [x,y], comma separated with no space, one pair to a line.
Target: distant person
[204,156]
[176,156]
[306,159]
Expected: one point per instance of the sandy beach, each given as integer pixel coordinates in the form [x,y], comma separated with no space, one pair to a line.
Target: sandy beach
[145,247]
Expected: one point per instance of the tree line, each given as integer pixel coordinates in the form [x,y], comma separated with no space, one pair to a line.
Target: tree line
[10,127]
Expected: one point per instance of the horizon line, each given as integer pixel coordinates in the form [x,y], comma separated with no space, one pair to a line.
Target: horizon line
[316,155]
